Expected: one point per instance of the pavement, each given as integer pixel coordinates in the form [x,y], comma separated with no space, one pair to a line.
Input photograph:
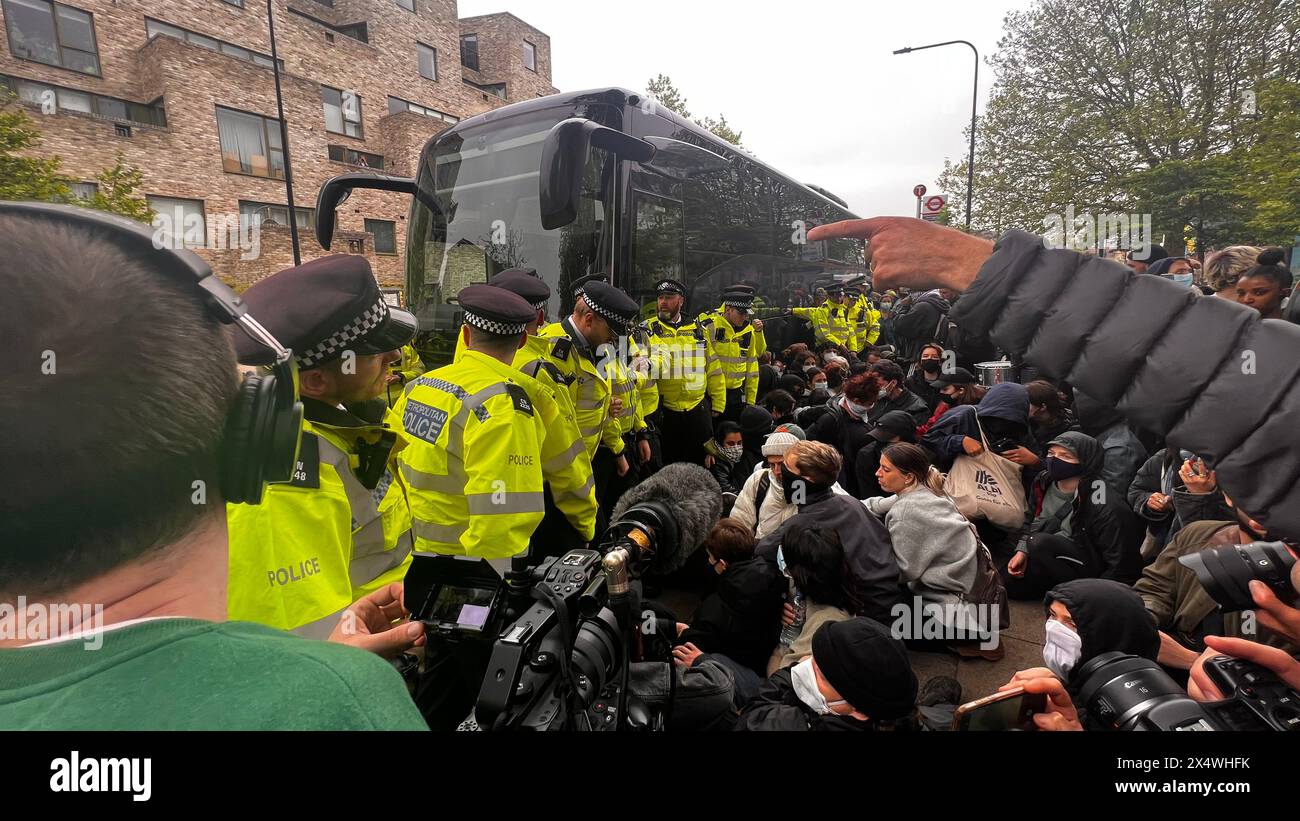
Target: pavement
[1023,641]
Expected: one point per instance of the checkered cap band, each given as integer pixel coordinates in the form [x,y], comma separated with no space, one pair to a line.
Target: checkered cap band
[338,341]
[537,306]
[492,326]
[740,304]
[668,287]
[605,312]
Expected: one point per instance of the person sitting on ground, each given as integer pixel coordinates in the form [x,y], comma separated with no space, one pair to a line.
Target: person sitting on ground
[796,386]
[738,624]
[1075,528]
[845,426]
[1048,415]
[1002,415]
[1085,618]
[858,677]
[727,447]
[1183,611]
[1266,286]
[813,561]
[894,426]
[761,504]
[955,389]
[808,478]
[921,379]
[780,404]
[1168,496]
[934,544]
[894,396]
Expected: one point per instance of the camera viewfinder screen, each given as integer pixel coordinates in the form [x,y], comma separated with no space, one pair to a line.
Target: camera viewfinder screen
[466,607]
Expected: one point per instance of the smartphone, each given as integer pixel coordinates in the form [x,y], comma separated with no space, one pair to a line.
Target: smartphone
[1009,710]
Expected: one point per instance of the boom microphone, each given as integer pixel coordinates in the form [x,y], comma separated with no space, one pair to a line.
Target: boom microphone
[690,494]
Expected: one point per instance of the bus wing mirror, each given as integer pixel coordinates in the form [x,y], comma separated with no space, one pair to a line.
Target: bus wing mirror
[337,189]
[682,160]
[564,159]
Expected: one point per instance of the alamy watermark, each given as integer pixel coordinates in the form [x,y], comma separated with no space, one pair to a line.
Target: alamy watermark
[45,621]
[1086,232]
[950,621]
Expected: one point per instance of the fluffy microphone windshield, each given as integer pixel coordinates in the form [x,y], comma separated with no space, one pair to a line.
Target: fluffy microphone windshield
[691,493]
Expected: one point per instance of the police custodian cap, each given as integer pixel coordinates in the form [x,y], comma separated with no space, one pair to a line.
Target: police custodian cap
[580,283]
[670,286]
[495,310]
[740,297]
[321,309]
[616,307]
[525,283]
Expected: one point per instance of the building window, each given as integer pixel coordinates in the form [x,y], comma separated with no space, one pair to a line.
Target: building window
[530,56]
[469,51]
[385,232]
[120,130]
[265,213]
[239,3]
[52,33]
[396,105]
[53,98]
[153,28]
[496,89]
[428,61]
[409,5]
[342,111]
[250,144]
[343,154]
[84,190]
[180,223]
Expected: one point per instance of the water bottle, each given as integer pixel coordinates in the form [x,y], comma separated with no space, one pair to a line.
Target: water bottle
[790,632]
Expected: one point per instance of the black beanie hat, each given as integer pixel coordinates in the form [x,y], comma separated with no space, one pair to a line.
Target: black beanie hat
[867,666]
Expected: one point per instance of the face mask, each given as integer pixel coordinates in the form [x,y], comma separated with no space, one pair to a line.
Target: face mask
[807,368]
[1181,279]
[1059,469]
[828,356]
[733,452]
[780,561]
[930,365]
[819,385]
[883,394]
[804,680]
[857,410]
[1062,650]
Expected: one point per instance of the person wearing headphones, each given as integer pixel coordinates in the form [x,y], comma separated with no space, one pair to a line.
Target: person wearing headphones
[341,527]
[123,508]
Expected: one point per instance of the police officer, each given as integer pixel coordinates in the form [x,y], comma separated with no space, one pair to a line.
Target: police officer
[737,344]
[402,372]
[692,390]
[341,527]
[830,319]
[570,519]
[864,321]
[474,462]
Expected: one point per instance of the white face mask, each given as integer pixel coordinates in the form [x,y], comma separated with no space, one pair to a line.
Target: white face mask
[1062,650]
[804,680]
[883,394]
[857,410]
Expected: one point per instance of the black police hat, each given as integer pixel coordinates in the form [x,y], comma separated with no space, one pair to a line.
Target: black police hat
[495,310]
[321,309]
[580,284]
[670,286]
[834,288]
[959,376]
[740,297]
[616,307]
[525,283]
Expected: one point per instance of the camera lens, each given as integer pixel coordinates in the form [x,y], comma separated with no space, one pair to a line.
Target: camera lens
[1122,691]
[1226,572]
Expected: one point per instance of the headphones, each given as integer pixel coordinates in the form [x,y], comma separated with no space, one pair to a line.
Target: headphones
[260,444]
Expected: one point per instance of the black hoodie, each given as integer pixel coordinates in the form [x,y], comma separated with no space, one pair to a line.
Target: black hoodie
[1108,616]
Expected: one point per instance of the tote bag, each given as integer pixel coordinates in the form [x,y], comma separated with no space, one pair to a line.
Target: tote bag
[987,487]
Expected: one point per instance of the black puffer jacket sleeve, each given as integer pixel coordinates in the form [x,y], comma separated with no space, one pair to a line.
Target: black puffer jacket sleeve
[1212,375]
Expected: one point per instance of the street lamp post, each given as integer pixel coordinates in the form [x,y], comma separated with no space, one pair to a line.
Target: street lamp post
[284,139]
[974,100]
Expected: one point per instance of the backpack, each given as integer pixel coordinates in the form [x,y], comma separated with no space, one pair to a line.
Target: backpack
[760,494]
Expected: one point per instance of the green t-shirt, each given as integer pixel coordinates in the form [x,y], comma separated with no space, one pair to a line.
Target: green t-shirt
[186,674]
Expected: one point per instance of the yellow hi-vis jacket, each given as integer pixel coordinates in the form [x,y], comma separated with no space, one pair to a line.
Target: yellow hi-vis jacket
[474,458]
[830,322]
[408,368]
[686,366]
[589,387]
[643,370]
[565,464]
[341,528]
[864,322]
[735,351]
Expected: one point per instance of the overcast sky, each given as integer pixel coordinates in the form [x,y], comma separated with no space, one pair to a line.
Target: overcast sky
[813,85]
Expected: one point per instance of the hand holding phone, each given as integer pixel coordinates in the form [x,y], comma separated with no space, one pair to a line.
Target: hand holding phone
[1011,709]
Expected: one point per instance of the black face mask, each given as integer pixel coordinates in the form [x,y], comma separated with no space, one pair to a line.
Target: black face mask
[930,366]
[797,489]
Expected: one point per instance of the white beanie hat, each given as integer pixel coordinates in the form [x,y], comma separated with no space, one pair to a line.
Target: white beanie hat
[778,443]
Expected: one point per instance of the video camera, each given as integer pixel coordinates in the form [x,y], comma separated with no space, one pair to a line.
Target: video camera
[562,633]
[1127,692]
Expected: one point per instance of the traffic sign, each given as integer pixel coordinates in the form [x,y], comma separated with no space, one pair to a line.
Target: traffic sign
[919,191]
[932,205]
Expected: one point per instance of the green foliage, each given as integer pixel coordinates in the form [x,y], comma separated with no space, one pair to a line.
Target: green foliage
[22,177]
[117,192]
[661,88]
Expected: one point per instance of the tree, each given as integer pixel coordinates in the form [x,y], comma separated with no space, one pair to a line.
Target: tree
[663,91]
[1270,166]
[22,177]
[1091,100]
[116,192]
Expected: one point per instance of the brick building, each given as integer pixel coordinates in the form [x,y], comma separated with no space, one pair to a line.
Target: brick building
[184,90]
